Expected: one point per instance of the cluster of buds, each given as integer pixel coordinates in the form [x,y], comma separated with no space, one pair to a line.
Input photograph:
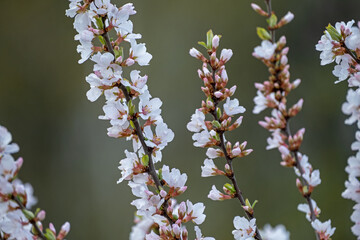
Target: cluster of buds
[210,133]
[17,221]
[342,45]
[134,115]
[273,94]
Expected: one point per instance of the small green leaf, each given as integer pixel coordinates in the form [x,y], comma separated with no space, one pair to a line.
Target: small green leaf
[218,112]
[28,214]
[272,20]
[131,108]
[216,124]
[102,40]
[132,124]
[99,22]
[37,211]
[247,203]
[203,44]
[335,35]
[209,38]
[145,160]
[49,234]
[230,187]
[263,34]
[255,202]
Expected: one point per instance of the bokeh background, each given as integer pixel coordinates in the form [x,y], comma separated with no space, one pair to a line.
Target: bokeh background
[71,162]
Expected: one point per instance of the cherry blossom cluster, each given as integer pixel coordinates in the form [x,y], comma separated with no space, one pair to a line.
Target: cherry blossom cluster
[17,221]
[135,115]
[273,94]
[341,44]
[210,134]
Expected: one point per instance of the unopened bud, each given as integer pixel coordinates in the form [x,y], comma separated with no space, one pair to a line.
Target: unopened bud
[195,53]
[258,9]
[215,42]
[41,215]
[225,56]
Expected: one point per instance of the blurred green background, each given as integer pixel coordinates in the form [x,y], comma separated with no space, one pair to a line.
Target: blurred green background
[71,162]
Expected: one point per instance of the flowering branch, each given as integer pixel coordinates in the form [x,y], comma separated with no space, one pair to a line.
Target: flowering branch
[158,215]
[17,221]
[212,133]
[273,94]
[342,45]
[134,119]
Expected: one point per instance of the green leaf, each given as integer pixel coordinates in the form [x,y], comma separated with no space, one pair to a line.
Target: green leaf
[28,214]
[272,20]
[203,44]
[335,35]
[102,40]
[216,124]
[49,235]
[218,112]
[253,205]
[99,22]
[209,38]
[229,187]
[263,34]
[145,160]
[132,124]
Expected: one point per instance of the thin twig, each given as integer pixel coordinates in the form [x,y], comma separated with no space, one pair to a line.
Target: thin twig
[269,9]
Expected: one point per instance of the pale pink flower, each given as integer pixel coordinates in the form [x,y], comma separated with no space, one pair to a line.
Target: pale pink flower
[323,229]
[231,107]
[266,50]
[245,229]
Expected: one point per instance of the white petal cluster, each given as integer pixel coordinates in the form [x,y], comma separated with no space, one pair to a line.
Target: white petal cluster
[323,229]
[244,229]
[277,233]
[342,45]
[332,49]
[265,51]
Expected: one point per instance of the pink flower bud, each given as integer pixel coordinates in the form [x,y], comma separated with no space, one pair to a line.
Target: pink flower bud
[218,94]
[119,59]
[282,40]
[19,163]
[52,228]
[41,215]
[287,18]
[284,150]
[259,86]
[284,60]
[163,193]
[226,54]
[215,42]
[195,53]
[129,62]
[236,151]
[232,90]
[296,83]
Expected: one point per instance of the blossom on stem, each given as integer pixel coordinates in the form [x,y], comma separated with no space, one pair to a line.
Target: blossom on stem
[245,229]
